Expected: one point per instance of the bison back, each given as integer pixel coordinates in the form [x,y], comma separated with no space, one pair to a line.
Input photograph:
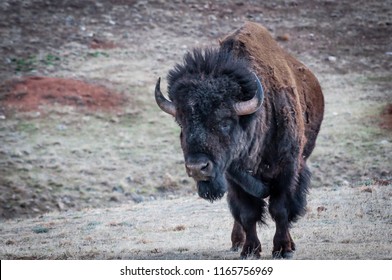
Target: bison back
[278,71]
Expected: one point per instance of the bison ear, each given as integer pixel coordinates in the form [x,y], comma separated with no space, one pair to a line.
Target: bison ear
[250,106]
[163,103]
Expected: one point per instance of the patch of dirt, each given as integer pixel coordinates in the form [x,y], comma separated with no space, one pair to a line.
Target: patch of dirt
[102,44]
[29,93]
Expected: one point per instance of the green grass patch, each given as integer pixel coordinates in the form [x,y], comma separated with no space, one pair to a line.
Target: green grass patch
[27,127]
[98,54]
[24,64]
[40,229]
[32,62]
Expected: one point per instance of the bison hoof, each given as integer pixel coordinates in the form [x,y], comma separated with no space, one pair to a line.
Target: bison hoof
[288,255]
[283,255]
[276,255]
[235,248]
[255,255]
[251,256]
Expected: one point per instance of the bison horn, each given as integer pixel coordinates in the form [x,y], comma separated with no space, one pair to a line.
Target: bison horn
[250,106]
[163,103]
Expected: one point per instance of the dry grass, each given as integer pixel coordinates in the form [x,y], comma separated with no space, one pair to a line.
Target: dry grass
[82,164]
[347,222]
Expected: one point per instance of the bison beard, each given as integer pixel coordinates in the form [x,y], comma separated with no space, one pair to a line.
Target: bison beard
[228,126]
[212,190]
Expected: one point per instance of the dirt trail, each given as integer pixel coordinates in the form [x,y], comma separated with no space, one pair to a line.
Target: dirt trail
[62,158]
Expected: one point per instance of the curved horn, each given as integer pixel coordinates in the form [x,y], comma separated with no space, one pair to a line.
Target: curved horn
[163,103]
[250,106]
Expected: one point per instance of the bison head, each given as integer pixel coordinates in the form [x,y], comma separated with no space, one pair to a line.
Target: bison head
[213,96]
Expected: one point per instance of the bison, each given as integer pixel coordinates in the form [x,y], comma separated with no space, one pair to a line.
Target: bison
[249,114]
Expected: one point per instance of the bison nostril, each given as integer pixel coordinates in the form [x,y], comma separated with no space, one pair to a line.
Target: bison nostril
[204,166]
[197,167]
[199,170]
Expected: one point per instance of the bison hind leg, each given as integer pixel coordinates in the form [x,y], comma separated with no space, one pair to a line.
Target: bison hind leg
[237,237]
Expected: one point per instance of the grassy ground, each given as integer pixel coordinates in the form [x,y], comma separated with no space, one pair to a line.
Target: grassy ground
[116,178]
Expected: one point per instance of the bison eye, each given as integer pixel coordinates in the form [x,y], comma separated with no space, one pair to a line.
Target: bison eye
[226,125]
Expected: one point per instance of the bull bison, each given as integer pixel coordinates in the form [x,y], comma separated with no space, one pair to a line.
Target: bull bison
[249,115]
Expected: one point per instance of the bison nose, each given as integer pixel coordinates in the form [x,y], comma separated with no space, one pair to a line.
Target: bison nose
[200,169]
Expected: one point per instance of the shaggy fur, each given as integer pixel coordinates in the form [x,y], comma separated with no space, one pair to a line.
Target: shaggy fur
[253,156]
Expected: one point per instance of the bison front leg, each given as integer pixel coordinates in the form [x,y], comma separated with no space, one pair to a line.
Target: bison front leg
[247,212]
[283,245]
[245,239]
[252,245]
